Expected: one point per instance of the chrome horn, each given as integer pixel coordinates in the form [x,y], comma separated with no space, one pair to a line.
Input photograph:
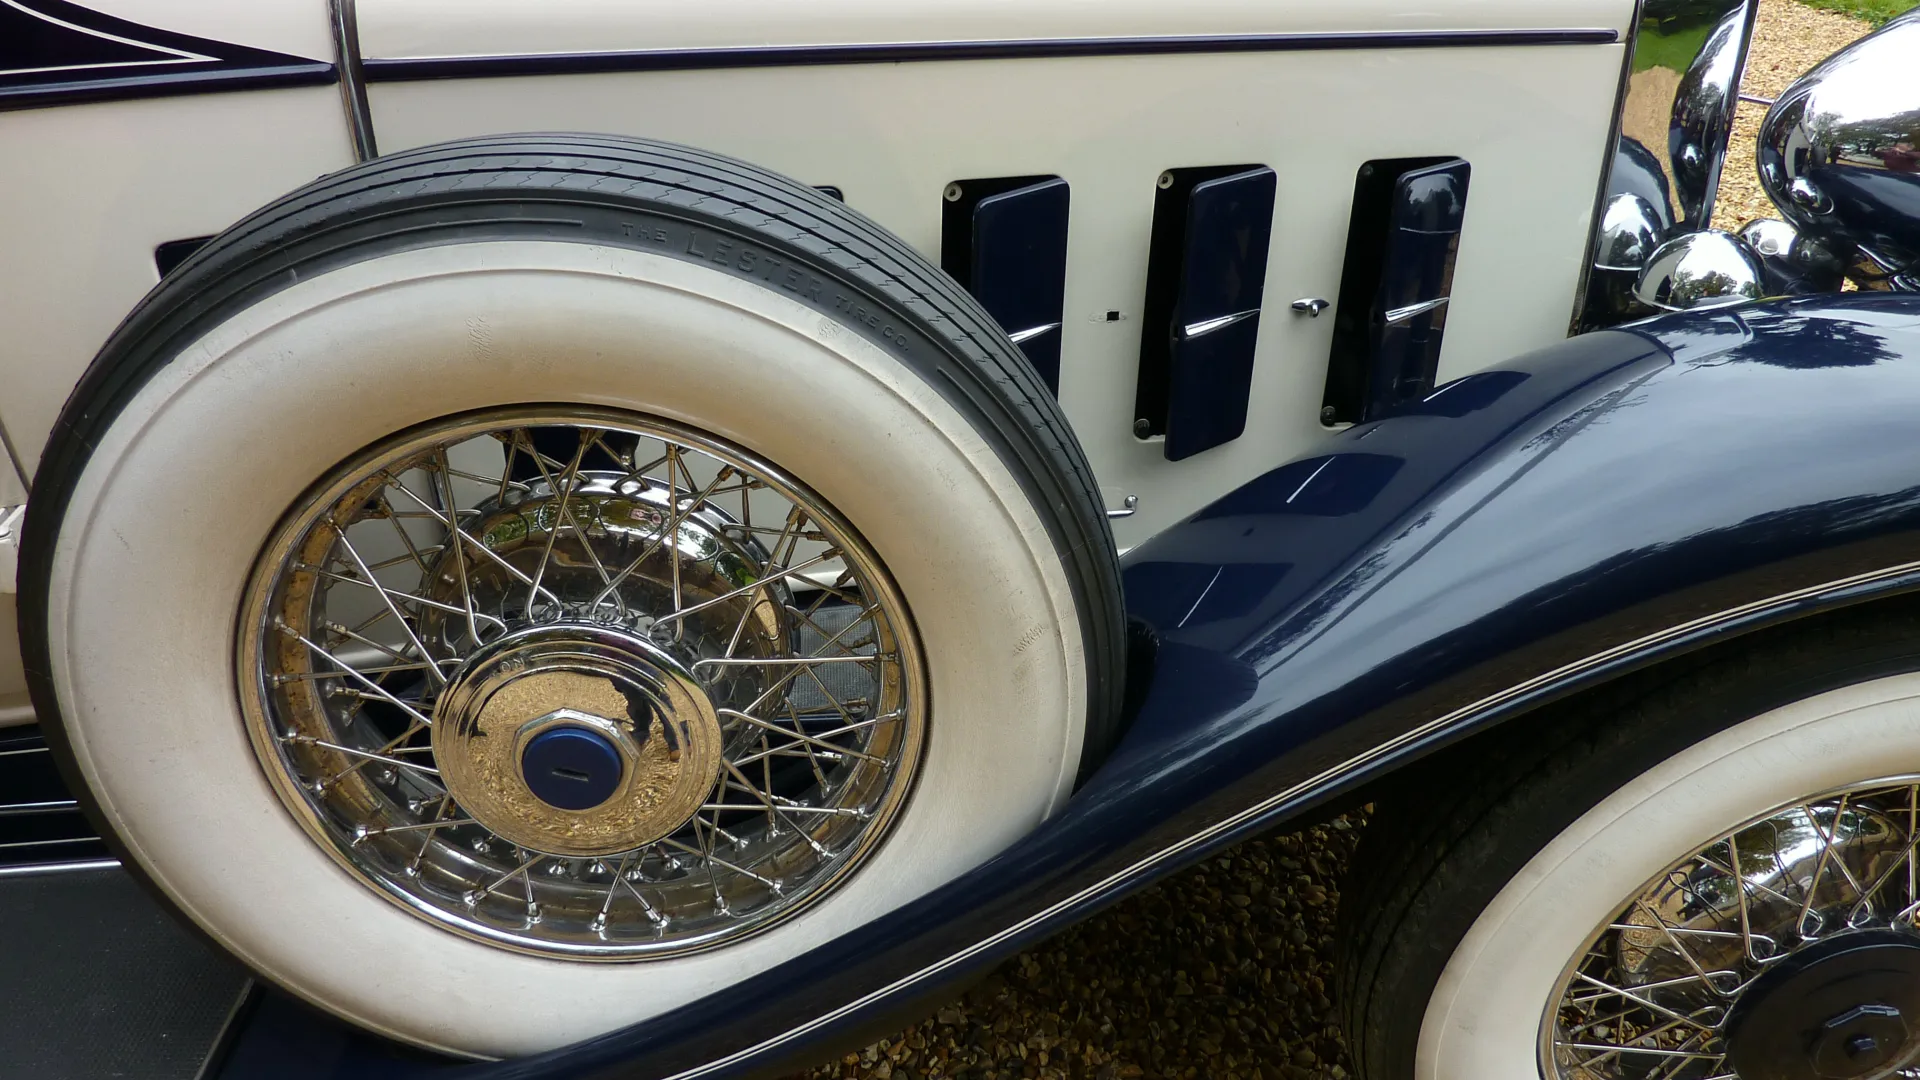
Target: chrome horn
[1630,230]
[1839,154]
[1701,270]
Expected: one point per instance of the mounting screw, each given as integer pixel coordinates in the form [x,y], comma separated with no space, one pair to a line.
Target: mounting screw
[1142,428]
[1166,180]
[954,193]
[1328,416]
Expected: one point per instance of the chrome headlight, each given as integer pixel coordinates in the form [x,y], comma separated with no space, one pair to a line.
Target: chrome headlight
[1840,153]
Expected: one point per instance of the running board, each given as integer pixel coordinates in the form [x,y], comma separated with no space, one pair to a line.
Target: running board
[97,980]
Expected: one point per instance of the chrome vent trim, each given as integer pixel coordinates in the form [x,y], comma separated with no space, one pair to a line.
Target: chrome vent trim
[41,824]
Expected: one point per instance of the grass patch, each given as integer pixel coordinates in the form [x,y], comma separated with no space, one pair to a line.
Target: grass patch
[1876,12]
[1674,51]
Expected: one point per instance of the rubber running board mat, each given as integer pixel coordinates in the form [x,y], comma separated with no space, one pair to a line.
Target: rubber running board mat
[97,981]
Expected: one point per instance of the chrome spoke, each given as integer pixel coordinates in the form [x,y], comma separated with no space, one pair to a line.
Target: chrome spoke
[356,676]
[383,614]
[420,648]
[1651,999]
[445,477]
[360,761]
[675,522]
[401,763]
[461,536]
[564,486]
[743,590]
[810,740]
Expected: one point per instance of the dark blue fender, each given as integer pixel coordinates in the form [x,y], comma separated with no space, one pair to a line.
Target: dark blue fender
[1516,535]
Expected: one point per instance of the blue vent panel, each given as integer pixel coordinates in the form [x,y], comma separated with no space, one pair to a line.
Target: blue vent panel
[1416,282]
[1402,240]
[1006,241]
[1216,320]
[1200,319]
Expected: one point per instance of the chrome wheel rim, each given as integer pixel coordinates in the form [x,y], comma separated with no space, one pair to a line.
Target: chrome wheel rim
[1677,984]
[582,683]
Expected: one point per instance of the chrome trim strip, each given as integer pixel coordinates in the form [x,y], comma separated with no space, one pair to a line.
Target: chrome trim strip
[1402,314]
[30,869]
[390,69]
[54,806]
[59,842]
[1032,332]
[353,83]
[1324,779]
[1208,326]
[25,750]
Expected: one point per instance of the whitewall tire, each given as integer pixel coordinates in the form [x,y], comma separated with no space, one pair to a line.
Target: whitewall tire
[764,322]
[1570,909]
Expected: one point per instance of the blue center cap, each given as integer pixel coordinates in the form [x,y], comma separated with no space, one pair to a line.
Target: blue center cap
[572,768]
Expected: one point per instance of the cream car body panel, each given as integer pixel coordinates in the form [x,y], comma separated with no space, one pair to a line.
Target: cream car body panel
[892,136]
[440,28]
[1532,119]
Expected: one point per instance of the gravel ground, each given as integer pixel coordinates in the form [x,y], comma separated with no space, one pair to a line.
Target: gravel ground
[1224,971]
[1220,973]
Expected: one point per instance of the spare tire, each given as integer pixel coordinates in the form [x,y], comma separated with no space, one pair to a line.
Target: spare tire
[510,589]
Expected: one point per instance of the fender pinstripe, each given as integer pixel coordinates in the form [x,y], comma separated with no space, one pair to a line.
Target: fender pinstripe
[56,53]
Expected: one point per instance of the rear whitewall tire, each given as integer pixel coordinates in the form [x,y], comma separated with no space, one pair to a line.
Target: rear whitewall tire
[1484,1018]
[155,547]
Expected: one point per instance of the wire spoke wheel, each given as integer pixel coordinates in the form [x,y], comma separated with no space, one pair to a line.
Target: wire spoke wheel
[581,683]
[1677,985]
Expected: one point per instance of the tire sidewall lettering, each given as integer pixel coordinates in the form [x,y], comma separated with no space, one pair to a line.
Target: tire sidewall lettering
[755,262]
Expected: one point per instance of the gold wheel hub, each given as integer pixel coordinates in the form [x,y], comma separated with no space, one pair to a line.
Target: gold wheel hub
[549,711]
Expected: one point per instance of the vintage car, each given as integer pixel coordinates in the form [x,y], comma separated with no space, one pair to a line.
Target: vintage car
[632,538]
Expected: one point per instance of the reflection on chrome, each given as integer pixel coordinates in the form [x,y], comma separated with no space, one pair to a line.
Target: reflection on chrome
[1703,109]
[1675,122]
[1700,270]
[1687,60]
[1840,152]
[1653,993]
[1629,231]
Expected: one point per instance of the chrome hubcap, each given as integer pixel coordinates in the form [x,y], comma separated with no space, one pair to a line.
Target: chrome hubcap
[1788,949]
[581,683]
